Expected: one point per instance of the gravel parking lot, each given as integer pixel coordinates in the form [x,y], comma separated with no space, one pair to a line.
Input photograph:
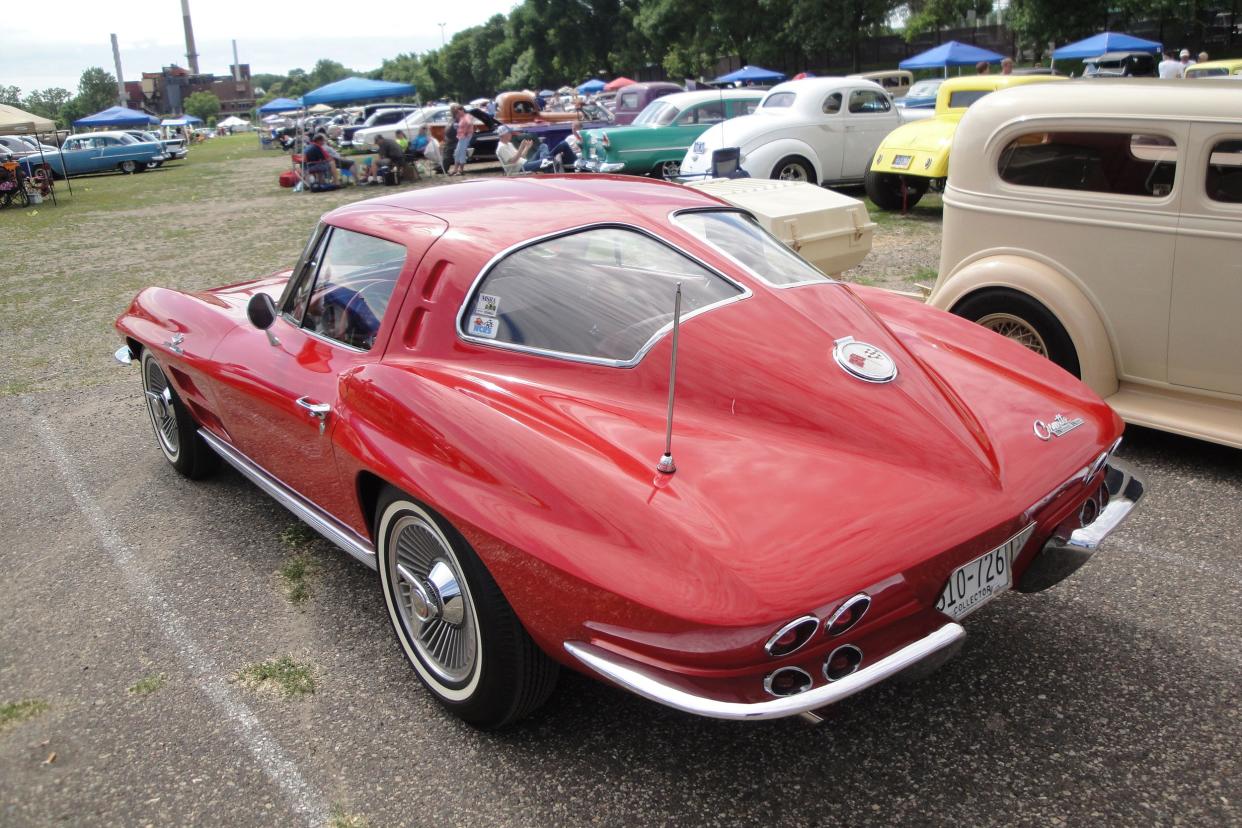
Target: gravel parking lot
[183,653]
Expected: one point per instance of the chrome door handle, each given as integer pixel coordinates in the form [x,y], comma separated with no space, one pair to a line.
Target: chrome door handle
[319,411]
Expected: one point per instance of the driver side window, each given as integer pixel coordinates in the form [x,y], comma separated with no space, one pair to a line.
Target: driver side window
[832,104]
[354,282]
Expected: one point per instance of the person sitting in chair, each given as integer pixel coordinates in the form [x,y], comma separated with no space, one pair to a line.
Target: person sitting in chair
[514,159]
[317,160]
[388,154]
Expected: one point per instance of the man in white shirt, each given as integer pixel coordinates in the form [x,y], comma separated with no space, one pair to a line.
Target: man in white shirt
[1186,61]
[513,159]
[1169,68]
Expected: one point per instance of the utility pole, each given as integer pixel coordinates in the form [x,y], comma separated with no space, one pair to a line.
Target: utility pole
[443,42]
[121,97]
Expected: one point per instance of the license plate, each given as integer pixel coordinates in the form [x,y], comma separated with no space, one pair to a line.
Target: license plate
[699,147]
[987,576]
[902,162]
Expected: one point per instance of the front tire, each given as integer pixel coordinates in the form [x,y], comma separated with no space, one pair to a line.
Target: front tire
[794,168]
[667,170]
[1016,316]
[453,623]
[127,167]
[176,433]
[884,189]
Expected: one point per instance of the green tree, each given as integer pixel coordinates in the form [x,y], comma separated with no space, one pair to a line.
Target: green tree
[10,95]
[47,102]
[325,72]
[1038,22]
[203,105]
[96,90]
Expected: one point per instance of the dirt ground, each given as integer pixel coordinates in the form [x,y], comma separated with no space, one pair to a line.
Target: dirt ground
[216,218]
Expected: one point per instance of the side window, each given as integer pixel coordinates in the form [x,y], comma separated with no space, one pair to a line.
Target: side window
[868,101]
[303,277]
[1103,162]
[832,104]
[710,113]
[1224,172]
[743,107]
[357,274]
[628,101]
[524,108]
[602,294]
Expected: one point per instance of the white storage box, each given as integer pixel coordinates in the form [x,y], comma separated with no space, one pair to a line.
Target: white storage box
[829,230]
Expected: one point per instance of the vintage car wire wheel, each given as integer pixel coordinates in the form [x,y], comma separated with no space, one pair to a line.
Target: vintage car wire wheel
[128,166]
[668,170]
[454,624]
[176,432]
[794,168]
[1017,329]
[1023,319]
[159,398]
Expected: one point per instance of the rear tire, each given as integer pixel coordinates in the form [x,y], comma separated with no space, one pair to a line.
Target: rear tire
[127,167]
[1016,316]
[794,168]
[884,189]
[453,623]
[667,170]
[176,433]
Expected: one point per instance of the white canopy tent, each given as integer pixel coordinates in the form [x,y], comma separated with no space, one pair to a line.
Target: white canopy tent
[14,121]
[233,122]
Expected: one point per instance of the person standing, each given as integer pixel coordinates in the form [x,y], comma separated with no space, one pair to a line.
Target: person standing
[465,134]
[1186,62]
[450,140]
[1007,66]
[982,68]
[1203,57]
[1169,67]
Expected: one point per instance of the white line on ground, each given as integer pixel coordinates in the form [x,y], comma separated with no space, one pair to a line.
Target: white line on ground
[301,795]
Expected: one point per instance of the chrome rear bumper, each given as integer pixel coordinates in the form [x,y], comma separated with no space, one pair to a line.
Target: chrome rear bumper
[640,679]
[1063,554]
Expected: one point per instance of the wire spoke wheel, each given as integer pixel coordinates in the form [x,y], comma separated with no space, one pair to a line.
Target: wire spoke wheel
[792,172]
[670,170]
[1017,329]
[434,601]
[160,406]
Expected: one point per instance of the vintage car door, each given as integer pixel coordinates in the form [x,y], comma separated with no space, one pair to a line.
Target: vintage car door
[278,396]
[869,116]
[827,138]
[1205,317]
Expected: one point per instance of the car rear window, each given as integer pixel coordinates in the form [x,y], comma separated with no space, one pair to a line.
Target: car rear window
[740,237]
[601,295]
[778,100]
[1103,162]
[1224,172]
[657,113]
[964,98]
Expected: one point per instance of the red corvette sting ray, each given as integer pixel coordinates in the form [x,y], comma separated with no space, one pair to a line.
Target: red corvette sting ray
[472,389]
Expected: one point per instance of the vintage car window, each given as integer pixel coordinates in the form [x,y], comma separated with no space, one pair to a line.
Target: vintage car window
[740,237]
[778,100]
[629,100]
[743,107]
[1104,162]
[523,108]
[868,101]
[1224,172]
[832,104]
[657,113]
[602,294]
[964,98]
[924,89]
[352,286]
[708,113]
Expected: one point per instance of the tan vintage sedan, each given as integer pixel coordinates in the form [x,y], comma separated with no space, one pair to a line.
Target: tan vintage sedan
[1100,224]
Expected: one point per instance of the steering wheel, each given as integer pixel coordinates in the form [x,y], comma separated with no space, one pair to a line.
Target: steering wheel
[358,307]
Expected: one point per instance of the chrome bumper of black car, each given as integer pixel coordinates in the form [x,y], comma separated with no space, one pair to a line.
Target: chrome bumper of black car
[1064,553]
[640,679]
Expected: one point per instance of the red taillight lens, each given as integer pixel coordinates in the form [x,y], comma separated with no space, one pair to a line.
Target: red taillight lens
[842,661]
[603,140]
[787,681]
[792,636]
[848,614]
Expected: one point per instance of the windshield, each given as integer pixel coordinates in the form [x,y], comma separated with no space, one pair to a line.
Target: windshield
[779,100]
[924,89]
[594,112]
[657,113]
[740,237]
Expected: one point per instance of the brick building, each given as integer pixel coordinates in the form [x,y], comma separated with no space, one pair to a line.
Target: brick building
[165,92]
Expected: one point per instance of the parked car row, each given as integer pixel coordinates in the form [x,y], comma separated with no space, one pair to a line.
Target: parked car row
[100,152]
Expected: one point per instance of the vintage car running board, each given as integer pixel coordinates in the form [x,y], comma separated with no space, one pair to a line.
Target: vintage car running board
[312,515]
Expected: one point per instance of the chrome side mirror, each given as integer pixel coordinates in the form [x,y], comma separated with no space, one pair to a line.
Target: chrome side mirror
[261,311]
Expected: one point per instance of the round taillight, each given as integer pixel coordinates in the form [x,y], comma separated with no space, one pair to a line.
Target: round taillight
[1089,512]
[848,614]
[787,681]
[791,636]
[842,661]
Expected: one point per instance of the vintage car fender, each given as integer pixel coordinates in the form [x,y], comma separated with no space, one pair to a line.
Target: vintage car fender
[927,141]
[1055,290]
[760,160]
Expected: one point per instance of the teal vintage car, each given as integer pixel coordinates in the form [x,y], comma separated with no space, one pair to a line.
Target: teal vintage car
[99,152]
[659,137]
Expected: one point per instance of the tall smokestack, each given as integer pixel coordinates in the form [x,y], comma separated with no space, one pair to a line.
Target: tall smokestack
[121,97]
[236,65]
[190,54]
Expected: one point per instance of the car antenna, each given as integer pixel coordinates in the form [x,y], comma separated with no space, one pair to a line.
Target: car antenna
[666,464]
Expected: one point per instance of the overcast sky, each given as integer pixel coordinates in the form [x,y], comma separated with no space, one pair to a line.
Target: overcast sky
[43,49]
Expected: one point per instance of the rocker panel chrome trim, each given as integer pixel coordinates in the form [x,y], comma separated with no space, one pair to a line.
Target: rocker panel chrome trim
[319,520]
[639,679]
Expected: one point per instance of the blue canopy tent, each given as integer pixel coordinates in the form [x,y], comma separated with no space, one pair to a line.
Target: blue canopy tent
[949,54]
[279,105]
[592,86]
[117,116]
[355,89]
[1097,45]
[751,74]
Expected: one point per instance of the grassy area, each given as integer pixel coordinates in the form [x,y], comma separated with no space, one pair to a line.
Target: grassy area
[283,676]
[14,712]
[217,217]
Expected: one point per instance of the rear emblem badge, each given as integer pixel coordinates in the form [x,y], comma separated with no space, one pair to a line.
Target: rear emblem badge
[863,361]
[1058,426]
